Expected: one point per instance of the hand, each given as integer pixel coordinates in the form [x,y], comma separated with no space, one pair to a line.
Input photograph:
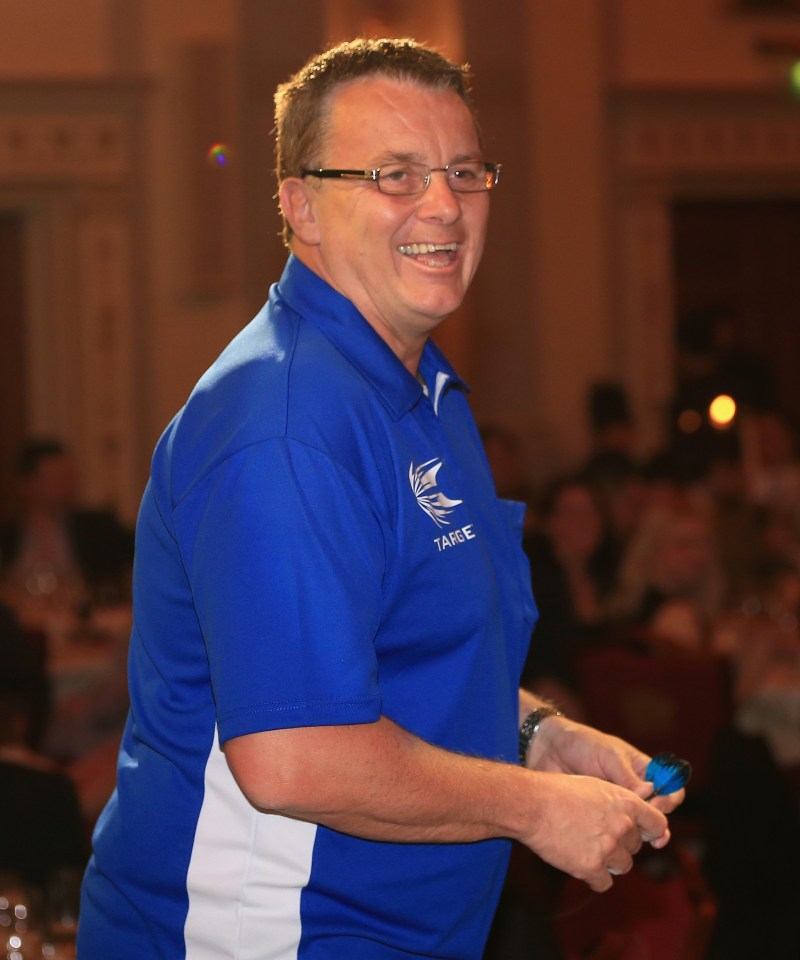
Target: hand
[590,828]
[563,746]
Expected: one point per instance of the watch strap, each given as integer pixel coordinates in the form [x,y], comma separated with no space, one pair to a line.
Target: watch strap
[530,727]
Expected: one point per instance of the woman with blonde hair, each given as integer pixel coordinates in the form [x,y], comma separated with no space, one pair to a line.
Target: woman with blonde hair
[670,581]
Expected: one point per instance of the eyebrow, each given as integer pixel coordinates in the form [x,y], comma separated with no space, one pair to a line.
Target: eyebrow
[392,157]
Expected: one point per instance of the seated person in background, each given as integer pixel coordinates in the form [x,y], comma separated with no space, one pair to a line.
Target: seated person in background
[762,746]
[669,580]
[613,432]
[762,641]
[572,577]
[742,531]
[506,461]
[57,555]
[25,653]
[771,461]
[612,470]
[42,828]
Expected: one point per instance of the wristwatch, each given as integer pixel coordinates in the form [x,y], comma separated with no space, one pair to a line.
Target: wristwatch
[530,727]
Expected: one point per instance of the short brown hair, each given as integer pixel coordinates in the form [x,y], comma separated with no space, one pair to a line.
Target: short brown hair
[301,102]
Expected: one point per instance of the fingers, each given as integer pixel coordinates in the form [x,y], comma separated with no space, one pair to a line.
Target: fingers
[667,802]
[592,828]
[603,879]
[617,859]
[661,841]
[621,858]
[600,882]
[621,863]
[652,823]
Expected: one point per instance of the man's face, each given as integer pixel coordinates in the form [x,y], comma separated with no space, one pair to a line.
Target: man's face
[364,238]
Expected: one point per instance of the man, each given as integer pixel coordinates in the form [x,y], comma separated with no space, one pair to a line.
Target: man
[331,605]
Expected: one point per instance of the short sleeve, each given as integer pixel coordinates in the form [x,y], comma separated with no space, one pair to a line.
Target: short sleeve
[285,557]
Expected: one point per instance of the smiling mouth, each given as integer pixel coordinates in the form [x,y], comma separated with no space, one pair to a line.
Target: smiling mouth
[432,254]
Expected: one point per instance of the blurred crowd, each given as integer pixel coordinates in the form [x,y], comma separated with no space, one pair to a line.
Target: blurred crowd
[64,624]
[690,555]
[710,564]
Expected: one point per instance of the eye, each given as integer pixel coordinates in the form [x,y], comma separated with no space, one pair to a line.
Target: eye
[399,172]
[467,172]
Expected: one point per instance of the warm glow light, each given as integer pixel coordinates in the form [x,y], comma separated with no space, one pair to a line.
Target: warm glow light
[722,410]
[689,421]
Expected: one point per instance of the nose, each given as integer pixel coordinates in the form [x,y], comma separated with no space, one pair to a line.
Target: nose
[439,202]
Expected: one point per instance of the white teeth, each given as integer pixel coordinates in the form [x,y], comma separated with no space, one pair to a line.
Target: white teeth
[412,249]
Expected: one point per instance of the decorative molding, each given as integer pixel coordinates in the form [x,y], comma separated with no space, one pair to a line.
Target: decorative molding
[84,148]
[667,145]
[70,164]
[700,131]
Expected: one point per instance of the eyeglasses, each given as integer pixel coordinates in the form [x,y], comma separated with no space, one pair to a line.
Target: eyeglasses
[406,178]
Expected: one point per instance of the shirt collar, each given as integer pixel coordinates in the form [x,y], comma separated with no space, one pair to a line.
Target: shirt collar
[315,300]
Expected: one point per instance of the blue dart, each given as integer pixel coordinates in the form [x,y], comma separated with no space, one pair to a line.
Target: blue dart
[667,773]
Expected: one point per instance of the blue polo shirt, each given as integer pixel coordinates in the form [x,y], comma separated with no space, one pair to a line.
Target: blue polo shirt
[319,543]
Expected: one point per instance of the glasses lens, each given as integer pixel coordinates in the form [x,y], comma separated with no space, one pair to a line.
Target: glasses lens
[403,178]
[471,176]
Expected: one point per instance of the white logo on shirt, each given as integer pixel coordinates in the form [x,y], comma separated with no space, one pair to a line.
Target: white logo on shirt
[431,501]
[455,537]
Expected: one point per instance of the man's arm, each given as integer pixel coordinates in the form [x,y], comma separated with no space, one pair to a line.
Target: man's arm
[380,782]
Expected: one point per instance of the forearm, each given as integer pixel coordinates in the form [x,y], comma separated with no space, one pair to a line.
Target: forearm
[380,782]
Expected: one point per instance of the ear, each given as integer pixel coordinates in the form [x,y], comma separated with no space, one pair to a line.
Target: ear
[297,204]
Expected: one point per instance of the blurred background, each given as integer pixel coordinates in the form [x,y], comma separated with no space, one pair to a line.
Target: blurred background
[652,166]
